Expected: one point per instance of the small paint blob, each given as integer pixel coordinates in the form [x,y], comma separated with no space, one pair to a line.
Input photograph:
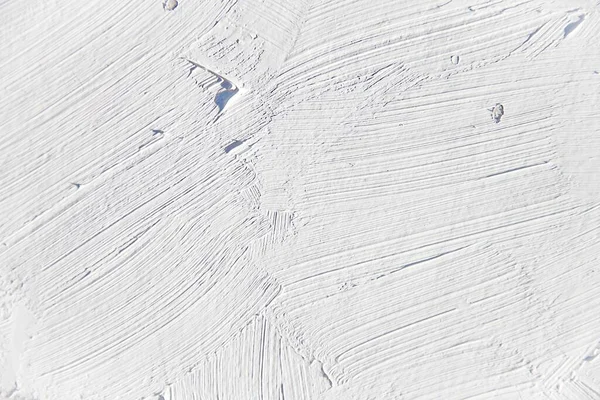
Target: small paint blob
[170,5]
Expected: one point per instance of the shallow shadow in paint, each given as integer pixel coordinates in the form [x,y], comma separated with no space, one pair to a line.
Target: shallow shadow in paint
[233,145]
[573,25]
[224,96]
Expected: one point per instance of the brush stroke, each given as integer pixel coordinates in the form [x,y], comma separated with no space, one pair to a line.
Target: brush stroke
[308,199]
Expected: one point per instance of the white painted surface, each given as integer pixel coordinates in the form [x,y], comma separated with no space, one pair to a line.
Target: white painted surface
[300,199]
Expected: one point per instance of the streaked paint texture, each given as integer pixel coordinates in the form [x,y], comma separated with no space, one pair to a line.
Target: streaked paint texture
[300,199]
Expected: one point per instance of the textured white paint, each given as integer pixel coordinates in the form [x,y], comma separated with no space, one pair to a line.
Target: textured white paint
[300,199]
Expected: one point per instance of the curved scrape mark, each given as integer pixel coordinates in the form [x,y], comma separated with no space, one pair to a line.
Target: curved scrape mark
[228,88]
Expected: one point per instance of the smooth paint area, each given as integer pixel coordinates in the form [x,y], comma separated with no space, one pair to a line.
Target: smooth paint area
[299,200]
